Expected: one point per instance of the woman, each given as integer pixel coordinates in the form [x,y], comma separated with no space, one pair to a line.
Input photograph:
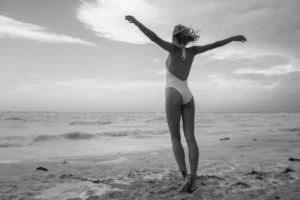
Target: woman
[179,100]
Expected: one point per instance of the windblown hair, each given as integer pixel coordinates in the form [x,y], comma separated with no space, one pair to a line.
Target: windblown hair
[184,35]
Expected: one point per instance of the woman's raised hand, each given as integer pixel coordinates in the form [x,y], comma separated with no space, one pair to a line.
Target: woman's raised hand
[130,19]
[239,38]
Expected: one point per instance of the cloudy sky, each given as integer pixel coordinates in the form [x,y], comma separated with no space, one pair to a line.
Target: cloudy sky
[78,55]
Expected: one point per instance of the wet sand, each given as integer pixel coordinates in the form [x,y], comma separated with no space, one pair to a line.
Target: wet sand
[236,168]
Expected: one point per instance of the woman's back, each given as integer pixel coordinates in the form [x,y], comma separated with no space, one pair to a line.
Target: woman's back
[178,66]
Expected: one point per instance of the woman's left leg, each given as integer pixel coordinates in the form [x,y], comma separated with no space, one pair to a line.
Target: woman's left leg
[188,117]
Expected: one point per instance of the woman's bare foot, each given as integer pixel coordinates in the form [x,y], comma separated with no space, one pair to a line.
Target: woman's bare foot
[192,187]
[185,185]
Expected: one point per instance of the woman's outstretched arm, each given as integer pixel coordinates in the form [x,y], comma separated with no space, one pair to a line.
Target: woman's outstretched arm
[150,34]
[201,49]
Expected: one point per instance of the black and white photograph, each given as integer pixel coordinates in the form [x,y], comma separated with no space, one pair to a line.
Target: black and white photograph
[149,100]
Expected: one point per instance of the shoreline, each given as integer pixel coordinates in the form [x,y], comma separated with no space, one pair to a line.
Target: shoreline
[222,173]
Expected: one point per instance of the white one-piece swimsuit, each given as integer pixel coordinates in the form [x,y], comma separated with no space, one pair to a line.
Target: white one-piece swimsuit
[179,85]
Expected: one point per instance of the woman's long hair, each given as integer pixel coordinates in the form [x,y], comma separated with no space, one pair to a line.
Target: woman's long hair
[183,35]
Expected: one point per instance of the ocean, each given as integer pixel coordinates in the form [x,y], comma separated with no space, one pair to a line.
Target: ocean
[53,135]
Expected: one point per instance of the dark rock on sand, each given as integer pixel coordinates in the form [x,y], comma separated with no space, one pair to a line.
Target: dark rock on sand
[258,175]
[287,170]
[63,176]
[254,173]
[16,119]
[42,169]
[97,181]
[294,159]
[240,184]
[225,138]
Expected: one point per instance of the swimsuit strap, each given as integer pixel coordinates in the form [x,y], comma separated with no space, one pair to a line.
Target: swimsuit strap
[183,53]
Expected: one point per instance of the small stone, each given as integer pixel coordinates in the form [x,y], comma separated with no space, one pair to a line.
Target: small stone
[294,159]
[96,181]
[241,184]
[287,170]
[42,169]
[225,138]
[63,176]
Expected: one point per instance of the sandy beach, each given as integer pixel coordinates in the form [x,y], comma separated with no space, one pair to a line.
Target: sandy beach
[96,94]
[260,167]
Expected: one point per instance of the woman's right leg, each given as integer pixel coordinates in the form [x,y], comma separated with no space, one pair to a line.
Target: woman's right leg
[173,112]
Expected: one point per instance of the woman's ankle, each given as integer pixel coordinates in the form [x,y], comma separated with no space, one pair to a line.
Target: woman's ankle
[193,178]
[183,173]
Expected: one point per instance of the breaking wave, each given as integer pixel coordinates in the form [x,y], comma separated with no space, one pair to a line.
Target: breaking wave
[18,141]
[90,122]
[15,119]
[296,129]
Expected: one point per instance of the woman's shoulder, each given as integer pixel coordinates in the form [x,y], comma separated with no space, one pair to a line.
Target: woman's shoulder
[192,47]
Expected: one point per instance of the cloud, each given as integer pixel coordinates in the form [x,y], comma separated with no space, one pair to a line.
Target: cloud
[220,82]
[100,88]
[277,70]
[269,25]
[161,72]
[156,61]
[107,18]
[85,95]
[250,74]
[10,28]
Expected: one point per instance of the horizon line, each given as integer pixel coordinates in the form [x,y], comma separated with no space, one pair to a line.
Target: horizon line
[10,111]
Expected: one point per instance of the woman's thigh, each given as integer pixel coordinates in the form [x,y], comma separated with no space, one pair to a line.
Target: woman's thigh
[173,104]
[188,118]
